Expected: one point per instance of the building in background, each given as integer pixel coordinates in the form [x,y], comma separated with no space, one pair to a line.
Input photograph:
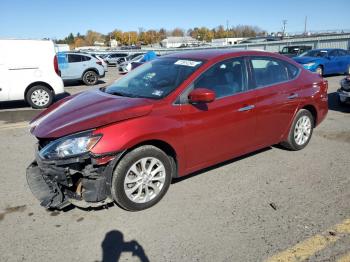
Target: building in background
[113,43]
[179,41]
[227,41]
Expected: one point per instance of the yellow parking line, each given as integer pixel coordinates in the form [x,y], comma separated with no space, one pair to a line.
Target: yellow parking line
[14,126]
[310,246]
[345,258]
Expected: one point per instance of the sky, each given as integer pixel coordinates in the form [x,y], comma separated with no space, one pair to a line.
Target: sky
[56,19]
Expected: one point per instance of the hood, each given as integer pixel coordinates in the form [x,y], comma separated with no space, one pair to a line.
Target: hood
[85,111]
[305,59]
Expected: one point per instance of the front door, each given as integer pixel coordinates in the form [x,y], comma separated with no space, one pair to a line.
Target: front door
[224,128]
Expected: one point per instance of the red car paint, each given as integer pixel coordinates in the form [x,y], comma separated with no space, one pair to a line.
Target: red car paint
[200,138]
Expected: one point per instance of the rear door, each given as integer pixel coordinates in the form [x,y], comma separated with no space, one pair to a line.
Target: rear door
[75,66]
[344,61]
[225,127]
[277,97]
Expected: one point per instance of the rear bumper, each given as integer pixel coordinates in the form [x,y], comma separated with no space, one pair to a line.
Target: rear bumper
[78,181]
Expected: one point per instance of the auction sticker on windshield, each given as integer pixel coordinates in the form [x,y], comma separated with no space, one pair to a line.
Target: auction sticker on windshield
[187,63]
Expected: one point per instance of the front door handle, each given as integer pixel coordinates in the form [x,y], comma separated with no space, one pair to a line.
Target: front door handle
[246,108]
[293,96]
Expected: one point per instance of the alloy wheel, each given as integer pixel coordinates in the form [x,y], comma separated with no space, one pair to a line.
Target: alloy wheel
[144,180]
[302,130]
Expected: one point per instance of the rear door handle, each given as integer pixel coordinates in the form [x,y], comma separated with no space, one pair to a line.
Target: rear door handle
[293,96]
[246,108]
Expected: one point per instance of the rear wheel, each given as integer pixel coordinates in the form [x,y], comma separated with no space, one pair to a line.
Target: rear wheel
[141,178]
[39,97]
[301,131]
[90,78]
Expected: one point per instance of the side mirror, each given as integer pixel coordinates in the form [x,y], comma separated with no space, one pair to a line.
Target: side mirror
[201,95]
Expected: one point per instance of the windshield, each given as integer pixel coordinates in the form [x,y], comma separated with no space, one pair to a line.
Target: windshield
[315,53]
[136,58]
[155,79]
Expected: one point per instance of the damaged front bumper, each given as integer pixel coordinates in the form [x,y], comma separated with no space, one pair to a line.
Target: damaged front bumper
[83,181]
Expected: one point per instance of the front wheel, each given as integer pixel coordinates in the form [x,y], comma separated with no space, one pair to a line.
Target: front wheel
[39,97]
[301,131]
[141,178]
[90,78]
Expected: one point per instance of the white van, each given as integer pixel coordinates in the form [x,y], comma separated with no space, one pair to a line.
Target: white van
[29,71]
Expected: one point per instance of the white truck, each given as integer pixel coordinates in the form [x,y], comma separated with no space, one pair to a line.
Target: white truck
[29,71]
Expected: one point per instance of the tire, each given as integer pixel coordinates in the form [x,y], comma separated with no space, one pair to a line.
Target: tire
[297,138]
[319,70]
[142,184]
[90,78]
[39,97]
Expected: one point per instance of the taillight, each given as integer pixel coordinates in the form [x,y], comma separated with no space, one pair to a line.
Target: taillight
[99,62]
[55,65]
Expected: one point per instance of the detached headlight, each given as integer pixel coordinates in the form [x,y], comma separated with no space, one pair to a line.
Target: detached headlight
[309,64]
[70,146]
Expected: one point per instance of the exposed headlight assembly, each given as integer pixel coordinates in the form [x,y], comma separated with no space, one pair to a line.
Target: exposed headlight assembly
[70,146]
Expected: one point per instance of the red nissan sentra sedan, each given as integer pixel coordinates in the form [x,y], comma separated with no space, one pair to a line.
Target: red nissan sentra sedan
[166,119]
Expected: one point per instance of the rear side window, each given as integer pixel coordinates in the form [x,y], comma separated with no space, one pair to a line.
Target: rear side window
[268,71]
[293,71]
[85,58]
[74,58]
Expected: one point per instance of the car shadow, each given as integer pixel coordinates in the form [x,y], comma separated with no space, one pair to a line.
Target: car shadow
[334,105]
[79,83]
[21,104]
[227,162]
[114,245]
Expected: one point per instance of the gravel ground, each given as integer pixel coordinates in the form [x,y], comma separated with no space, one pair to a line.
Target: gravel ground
[247,209]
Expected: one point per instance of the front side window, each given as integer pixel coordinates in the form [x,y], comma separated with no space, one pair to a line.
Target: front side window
[155,79]
[269,71]
[224,78]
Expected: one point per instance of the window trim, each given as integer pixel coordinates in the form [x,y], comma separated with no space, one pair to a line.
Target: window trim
[182,99]
[277,83]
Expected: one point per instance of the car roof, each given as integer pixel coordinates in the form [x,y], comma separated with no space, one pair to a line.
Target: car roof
[326,49]
[210,54]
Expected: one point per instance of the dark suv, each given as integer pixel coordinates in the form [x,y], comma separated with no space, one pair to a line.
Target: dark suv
[294,50]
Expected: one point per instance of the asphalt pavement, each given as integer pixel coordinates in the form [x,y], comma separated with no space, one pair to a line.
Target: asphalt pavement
[271,205]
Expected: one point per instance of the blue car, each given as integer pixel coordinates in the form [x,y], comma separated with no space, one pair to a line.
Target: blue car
[325,61]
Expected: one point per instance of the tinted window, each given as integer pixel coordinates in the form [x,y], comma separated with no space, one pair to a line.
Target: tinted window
[225,78]
[85,58]
[74,58]
[268,71]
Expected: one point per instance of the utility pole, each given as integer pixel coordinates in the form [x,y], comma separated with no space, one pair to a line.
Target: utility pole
[284,22]
[227,31]
[305,26]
